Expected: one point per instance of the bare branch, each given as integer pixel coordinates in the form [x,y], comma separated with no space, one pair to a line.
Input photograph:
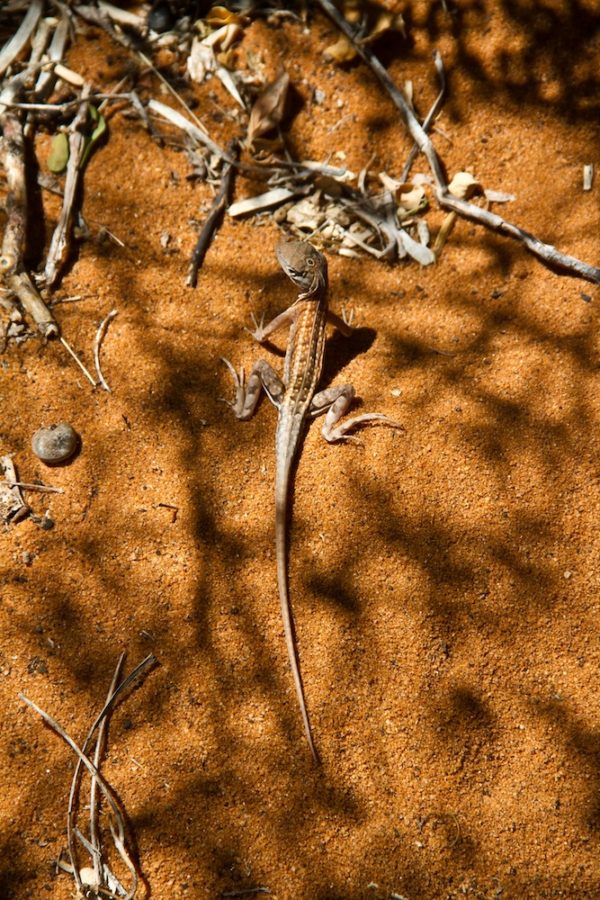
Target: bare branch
[431,115]
[12,157]
[213,219]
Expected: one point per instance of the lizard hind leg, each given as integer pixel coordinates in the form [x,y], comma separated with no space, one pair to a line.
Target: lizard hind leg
[335,402]
[247,395]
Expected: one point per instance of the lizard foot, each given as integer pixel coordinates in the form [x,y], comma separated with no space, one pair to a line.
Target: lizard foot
[238,383]
[259,328]
[340,432]
[348,316]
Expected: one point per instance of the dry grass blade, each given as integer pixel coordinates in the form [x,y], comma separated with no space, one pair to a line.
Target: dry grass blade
[431,115]
[463,207]
[31,486]
[72,353]
[117,821]
[174,94]
[94,843]
[419,252]
[98,752]
[97,344]
[196,133]
[122,16]
[107,791]
[269,108]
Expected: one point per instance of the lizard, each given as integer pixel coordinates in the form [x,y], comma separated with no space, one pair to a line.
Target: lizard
[297,400]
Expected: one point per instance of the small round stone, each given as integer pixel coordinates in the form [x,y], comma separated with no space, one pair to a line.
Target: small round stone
[55,444]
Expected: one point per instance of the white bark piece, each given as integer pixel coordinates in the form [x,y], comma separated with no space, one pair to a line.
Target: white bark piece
[261,202]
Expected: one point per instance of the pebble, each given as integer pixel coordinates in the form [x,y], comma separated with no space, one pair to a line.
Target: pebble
[55,444]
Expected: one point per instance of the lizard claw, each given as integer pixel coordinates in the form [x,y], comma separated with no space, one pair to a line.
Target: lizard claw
[348,316]
[258,333]
[238,383]
[238,380]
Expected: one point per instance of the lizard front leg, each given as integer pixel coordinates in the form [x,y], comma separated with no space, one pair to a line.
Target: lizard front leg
[262,332]
[336,401]
[247,395]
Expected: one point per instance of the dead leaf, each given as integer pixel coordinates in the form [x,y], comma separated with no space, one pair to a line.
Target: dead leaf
[464,186]
[220,15]
[224,37]
[306,214]
[201,61]
[423,255]
[227,80]
[498,196]
[265,149]
[386,21]
[88,877]
[59,153]
[340,52]
[389,183]
[412,199]
[444,233]
[226,58]
[268,108]
[423,232]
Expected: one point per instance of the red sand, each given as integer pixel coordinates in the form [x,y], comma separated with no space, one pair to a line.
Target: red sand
[444,580]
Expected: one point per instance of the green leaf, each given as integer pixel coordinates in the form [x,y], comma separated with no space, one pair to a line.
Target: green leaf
[99,129]
[59,153]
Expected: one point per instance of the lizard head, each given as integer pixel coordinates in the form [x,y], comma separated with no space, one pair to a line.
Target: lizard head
[304,265]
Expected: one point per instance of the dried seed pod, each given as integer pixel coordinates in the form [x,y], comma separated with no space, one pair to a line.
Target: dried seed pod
[55,444]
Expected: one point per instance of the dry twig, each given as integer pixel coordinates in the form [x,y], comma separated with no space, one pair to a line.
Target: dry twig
[431,115]
[12,157]
[60,245]
[213,219]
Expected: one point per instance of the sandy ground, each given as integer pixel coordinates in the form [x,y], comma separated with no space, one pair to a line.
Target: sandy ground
[444,579]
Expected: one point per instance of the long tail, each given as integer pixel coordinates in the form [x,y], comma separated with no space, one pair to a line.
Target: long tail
[282,481]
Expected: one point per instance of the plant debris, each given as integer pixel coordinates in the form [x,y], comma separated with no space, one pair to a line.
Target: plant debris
[99,877]
[269,107]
